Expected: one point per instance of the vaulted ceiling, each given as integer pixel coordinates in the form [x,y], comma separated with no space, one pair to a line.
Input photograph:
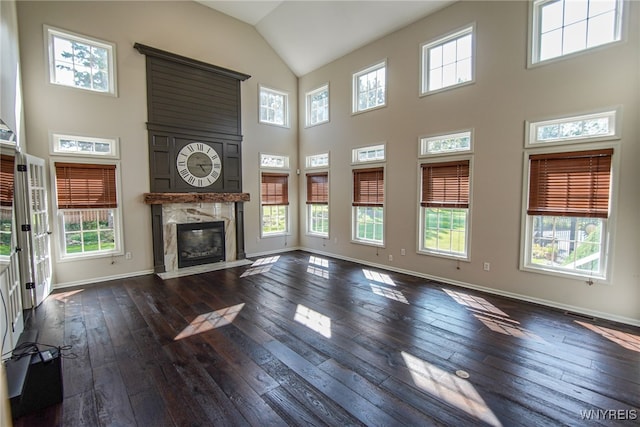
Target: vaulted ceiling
[310,34]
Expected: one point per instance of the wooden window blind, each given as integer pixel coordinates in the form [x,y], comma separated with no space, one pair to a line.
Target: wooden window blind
[318,188]
[445,185]
[368,187]
[86,186]
[275,189]
[7,170]
[570,184]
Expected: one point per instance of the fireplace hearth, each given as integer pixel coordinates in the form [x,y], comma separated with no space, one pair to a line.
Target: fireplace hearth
[200,243]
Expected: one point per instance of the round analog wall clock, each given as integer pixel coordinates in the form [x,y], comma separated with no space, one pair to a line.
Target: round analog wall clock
[198,164]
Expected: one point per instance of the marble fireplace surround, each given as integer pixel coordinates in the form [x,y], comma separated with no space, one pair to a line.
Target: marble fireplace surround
[189,208]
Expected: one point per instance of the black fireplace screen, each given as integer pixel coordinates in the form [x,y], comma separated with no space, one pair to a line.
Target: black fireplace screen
[200,243]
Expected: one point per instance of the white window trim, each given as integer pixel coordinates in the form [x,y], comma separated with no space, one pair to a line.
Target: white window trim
[356,150]
[354,87]
[533,51]
[609,223]
[307,210]
[354,218]
[308,161]
[50,31]
[614,114]
[57,213]
[420,226]
[54,146]
[285,94]
[307,98]
[285,167]
[424,69]
[422,140]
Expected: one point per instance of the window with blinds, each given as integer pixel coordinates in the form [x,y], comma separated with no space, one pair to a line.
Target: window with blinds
[275,189]
[86,186]
[368,187]
[575,184]
[445,185]
[318,188]
[7,167]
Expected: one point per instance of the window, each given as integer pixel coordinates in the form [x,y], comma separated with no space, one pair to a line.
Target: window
[563,27]
[80,62]
[370,88]
[567,212]
[444,208]
[445,144]
[318,203]
[448,61]
[318,106]
[374,153]
[368,205]
[274,107]
[275,203]
[318,161]
[83,146]
[588,127]
[88,212]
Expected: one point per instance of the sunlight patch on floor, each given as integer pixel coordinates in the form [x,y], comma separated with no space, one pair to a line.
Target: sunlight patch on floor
[208,321]
[318,267]
[261,265]
[491,316]
[65,296]
[378,277]
[313,320]
[449,388]
[389,293]
[623,339]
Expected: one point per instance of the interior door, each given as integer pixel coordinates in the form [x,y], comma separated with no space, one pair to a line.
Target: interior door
[37,229]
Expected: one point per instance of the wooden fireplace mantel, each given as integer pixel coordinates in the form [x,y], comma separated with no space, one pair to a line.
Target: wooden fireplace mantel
[166,198]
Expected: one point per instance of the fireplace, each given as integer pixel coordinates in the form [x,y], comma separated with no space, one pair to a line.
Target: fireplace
[200,243]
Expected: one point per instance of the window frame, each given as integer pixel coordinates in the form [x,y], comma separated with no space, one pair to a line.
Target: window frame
[308,104]
[51,32]
[58,213]
[310,204]
[423,141]
[113,153]
[308,160]
[439,160]
[355,209]
[439,41]
[614,116]
[534,36]
[607,237]
[286,108]
[355,87]
[280,170]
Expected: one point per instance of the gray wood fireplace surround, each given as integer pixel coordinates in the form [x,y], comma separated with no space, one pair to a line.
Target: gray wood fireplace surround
[192,102]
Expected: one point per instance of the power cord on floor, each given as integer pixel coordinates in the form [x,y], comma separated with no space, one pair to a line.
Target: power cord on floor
[33,348]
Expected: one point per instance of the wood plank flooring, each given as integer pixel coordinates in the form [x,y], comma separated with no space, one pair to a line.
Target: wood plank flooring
[303,340]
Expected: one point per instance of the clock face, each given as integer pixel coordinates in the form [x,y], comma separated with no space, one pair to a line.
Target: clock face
[199,164]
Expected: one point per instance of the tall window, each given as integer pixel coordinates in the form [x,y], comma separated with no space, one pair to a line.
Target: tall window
[318,106]
[87,204]
[368,205]
[448,61]
[562,27]
[444,208]
[370,88]
[274,107]
[275,203]
[318,203]
[567,212]
[81,62]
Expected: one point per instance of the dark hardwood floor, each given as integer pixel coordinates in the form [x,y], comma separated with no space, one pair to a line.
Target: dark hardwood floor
[299,339]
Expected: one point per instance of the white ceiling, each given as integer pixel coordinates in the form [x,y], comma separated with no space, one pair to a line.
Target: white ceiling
[309,34]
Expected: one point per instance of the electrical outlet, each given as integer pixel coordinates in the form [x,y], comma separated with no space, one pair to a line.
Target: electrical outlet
[403,252]
[487,266]
[390,257]
[127,255]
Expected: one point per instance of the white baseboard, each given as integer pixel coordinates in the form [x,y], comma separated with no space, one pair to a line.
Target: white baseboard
[520,297]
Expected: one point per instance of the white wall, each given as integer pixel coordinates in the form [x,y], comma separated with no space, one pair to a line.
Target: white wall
[496,106]
[185,28]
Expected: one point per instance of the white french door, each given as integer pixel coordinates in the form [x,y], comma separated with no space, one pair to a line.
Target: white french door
[36,227]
